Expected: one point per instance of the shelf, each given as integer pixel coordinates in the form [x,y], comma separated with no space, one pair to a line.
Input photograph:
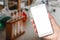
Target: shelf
[15,20]
[9,28]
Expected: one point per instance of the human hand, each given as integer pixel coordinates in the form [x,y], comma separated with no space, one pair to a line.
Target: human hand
[56,28]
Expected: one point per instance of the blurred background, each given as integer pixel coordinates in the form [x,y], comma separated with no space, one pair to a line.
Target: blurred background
[8,6]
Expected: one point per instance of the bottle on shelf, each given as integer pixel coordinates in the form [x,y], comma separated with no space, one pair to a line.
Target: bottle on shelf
[16,24]
[20,22]
[19,29]
[24,14]
[13,26]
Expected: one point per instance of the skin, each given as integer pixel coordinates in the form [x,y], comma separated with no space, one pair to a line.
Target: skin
[55,26]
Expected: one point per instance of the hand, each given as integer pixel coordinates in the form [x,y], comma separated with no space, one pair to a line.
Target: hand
[56,28]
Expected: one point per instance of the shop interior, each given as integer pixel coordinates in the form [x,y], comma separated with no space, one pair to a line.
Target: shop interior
[15,23]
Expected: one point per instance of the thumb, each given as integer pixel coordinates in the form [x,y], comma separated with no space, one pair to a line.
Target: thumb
[53,22]
[55,28]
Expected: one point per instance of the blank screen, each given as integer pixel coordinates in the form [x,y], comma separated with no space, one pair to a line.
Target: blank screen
[41,20]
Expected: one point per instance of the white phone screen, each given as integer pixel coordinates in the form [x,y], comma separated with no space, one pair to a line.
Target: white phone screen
[41,20]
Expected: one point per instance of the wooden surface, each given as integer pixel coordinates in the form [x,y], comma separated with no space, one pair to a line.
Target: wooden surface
[19,5]
[13,0]
[1,7]
[29,2]
[11,4]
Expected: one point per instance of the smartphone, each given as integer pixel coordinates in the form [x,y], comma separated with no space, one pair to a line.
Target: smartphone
[41,19]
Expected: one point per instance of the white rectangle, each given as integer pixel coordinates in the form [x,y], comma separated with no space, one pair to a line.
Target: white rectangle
[41,20]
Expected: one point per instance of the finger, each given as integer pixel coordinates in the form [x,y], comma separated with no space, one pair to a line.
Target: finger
[35,29]
[55,27]
[52,19]
[32,21]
